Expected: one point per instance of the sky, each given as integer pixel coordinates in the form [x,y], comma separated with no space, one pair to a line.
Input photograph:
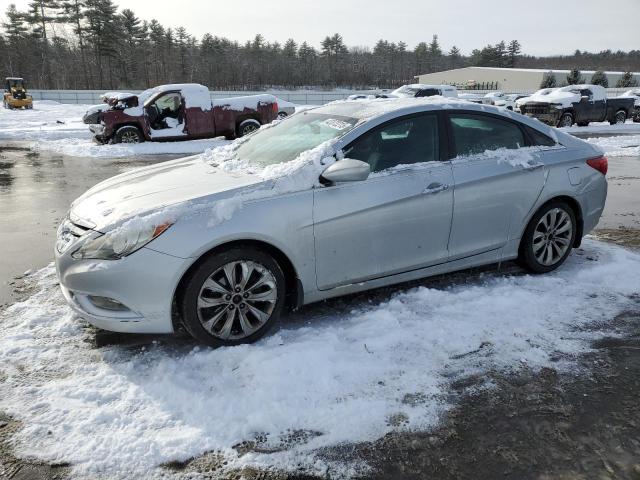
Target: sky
[543,27]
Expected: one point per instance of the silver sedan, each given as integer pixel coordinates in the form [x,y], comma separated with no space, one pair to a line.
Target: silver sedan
[338,199]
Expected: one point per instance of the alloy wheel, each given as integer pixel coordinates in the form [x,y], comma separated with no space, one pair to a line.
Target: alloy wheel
[249,128]
[552,237]
[237,300]
[621,117]
[130,137]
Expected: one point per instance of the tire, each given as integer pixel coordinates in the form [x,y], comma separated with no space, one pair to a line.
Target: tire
[583,124]
[128,134]
[566,120]
[539,240]
[247,127]
[282,115]
[217,315]
[619,118]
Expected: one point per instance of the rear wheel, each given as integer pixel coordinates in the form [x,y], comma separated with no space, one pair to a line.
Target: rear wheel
[566,120]
[282,115]
[247,127]
[233,297]
[549,238]
[128,134]
[620,117]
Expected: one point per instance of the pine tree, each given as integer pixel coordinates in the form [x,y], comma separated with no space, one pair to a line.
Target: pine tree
[74,14]
[600,78]
[574,77]
[627,80]
[513,50]
[548,81]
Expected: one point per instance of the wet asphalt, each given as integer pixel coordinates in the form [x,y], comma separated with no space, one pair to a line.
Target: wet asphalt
[37,188]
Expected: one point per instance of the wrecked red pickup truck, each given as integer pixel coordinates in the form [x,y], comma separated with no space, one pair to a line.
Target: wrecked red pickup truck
[177,112]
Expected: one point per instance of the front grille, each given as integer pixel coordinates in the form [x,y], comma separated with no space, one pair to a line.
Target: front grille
[68,234]
[535,109]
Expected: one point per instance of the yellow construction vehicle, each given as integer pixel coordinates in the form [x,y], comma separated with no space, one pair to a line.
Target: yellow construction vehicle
[15,94]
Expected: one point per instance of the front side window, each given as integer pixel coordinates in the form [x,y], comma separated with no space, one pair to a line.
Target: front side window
[404,141]
[476,133]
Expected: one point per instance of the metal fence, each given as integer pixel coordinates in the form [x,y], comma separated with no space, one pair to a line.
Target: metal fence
[300,97]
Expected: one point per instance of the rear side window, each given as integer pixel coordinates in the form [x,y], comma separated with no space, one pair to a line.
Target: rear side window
[539,138]
[476,133]
[404,141]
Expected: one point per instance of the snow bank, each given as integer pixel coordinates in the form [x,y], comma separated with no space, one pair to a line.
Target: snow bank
[341,369]
[76,147]
[48,120]
[623,146]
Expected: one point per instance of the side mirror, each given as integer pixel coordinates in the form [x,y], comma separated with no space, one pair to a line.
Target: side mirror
[346,170]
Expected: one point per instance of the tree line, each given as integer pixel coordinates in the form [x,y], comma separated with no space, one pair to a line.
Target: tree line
[90,44]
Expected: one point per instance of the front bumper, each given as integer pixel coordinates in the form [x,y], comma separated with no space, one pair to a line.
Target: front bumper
[144,283]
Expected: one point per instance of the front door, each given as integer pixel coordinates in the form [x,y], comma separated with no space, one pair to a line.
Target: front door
[166,116]
[398,219]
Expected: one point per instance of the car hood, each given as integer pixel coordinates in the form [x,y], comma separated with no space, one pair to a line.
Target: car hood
[153,188]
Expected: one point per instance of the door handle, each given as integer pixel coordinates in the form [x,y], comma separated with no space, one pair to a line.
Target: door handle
[435,187]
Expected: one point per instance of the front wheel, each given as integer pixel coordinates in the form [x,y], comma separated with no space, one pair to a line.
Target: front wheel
[620,118]
[566,120]
[128,134]
[247,127]
[549,238]
[233,297]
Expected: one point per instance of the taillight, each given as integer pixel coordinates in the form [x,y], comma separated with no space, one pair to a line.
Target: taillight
[601,164]
[274,107]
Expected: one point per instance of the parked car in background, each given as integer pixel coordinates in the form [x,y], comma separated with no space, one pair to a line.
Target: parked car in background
[471,97]
[285,108]
[634,93]
[177,112]
[224,252]
[500,99]
[579,104]
[421,90]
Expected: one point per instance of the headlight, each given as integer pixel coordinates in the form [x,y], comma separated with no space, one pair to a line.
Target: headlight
[119,242]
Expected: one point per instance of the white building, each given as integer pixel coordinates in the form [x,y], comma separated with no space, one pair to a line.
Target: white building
[512,80]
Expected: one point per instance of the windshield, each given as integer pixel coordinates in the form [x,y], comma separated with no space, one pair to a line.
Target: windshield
[406,91]
[285,141]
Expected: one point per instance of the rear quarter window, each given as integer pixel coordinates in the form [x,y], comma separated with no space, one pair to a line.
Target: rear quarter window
[540,139]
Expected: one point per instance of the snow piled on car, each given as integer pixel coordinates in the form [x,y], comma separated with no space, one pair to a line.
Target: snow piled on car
[338,372]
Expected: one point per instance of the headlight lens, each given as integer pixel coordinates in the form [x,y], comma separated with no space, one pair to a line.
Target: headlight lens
[119,242]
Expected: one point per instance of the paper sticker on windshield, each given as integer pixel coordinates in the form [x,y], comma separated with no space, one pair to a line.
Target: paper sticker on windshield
[336,124]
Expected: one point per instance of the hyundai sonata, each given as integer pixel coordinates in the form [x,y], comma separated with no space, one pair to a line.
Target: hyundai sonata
[342,198]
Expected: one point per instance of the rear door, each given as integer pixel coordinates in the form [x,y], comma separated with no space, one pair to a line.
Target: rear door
[496,185]
[395,221]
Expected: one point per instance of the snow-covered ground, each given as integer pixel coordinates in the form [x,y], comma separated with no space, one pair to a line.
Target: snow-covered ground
[620,146]
[606,128]
[46,121]
[340,371]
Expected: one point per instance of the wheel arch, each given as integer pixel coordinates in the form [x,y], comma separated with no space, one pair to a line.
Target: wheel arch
[577,210]
[293,285]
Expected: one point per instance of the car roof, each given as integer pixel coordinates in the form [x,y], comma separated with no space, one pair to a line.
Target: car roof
[369,109]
